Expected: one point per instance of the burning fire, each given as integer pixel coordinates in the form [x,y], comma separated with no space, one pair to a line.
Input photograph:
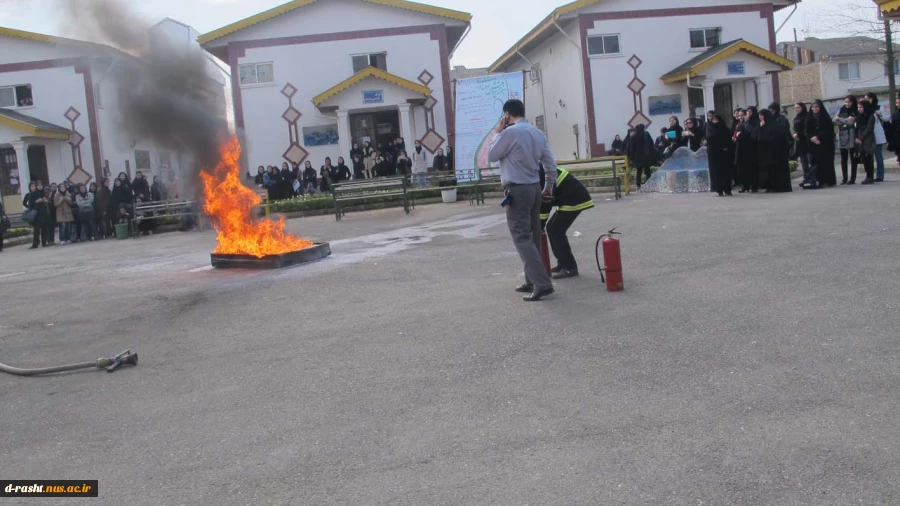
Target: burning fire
[229,204]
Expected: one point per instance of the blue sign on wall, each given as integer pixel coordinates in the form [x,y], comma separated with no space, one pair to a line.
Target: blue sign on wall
[373,97]
[736,68]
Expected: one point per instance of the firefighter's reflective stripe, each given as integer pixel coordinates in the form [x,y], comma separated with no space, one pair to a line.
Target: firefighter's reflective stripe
[562,175]
[545,216]
[580,207]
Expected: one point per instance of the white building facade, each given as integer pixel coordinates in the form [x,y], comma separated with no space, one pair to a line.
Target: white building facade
[309,78]
[831,69]
[598,67]
[59,116]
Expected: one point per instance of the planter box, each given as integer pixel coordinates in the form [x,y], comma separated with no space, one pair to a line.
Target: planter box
[448,196]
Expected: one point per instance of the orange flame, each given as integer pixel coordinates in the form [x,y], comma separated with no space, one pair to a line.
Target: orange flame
[229,204]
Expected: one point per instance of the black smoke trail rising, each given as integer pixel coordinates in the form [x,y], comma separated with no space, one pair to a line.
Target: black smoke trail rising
[166,94]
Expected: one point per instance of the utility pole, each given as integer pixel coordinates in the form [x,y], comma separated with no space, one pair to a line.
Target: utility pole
[891,65]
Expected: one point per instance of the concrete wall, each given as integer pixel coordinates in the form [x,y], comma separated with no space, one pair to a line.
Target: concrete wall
[14,50]
[802,83]
[613,101]
[871,75]
[118,145]
[302,66]
[561,80]
[54,91]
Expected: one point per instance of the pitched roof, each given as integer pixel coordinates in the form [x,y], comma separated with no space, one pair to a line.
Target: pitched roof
[889,8]
[844,46]
[370,72]
[548,23]
[461,72]
[715,54]
[32,126]
[79,44]
[296,4]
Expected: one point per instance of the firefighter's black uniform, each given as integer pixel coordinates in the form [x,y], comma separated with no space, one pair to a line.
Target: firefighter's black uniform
[569,198]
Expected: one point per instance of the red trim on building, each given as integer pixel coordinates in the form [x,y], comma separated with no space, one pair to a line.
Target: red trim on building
[84,68]
[238,49]
[439,32]
[586,22]
[81,65]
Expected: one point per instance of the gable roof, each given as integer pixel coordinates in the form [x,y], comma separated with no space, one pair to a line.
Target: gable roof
[51,39]
[716,54]
[889,8]
[32,126]
[296,4]
[843,46]
[461,72]
[370,72]
[542,28]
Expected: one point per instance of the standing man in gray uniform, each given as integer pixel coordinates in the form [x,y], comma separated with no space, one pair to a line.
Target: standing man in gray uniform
[521,149]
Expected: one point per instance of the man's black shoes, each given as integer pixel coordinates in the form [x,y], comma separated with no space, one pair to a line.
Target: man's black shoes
[565,273]
[526,288]
[538,294]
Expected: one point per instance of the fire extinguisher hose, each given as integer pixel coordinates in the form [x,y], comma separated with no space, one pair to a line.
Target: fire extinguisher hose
[110,364]
[597,256]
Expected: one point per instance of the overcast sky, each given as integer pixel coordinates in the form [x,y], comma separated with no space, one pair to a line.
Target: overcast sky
[486,42]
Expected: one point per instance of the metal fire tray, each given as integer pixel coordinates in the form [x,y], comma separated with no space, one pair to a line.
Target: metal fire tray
[311,254]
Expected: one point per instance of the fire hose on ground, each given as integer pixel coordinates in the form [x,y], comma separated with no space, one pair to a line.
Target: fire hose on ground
[127,357]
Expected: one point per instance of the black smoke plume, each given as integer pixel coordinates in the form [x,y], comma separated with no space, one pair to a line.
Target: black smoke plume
[167,94]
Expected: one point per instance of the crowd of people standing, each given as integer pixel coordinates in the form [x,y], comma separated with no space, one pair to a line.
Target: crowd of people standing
[755,149]
[72,213]
[365,162]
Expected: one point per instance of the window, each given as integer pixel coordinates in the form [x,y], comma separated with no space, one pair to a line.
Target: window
[703,38]
[165,160]
[896,68]
[599,45]
[142,160]
[848,71]
[16,96]
[377,60]
[257,73]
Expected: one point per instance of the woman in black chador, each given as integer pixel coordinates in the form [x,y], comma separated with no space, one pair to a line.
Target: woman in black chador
[719,150]
[820,131]
[771,138]
[747,154]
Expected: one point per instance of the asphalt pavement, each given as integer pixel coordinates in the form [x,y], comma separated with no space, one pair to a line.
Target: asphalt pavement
[752,360]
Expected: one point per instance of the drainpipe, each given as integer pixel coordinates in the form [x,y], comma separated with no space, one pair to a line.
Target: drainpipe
[566,35]
[786,19]
[543,101]
[689,85]
[461,39]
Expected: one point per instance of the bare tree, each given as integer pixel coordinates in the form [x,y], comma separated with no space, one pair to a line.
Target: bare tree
[854,18]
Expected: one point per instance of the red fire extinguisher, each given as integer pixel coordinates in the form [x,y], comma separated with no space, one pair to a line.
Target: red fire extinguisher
[612,257]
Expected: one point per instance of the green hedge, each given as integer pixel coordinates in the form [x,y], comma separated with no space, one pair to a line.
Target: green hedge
[17,232]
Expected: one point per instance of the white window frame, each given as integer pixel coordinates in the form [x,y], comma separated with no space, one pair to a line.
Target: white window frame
[16,97]
[718,30]
[256,65]
[849,76]
[896,68]
[369,55]
[618,37]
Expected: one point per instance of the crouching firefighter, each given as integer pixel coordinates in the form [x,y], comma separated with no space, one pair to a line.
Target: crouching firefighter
[569,198]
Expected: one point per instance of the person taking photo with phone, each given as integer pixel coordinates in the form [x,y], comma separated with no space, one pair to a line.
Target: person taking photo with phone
[521,149]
